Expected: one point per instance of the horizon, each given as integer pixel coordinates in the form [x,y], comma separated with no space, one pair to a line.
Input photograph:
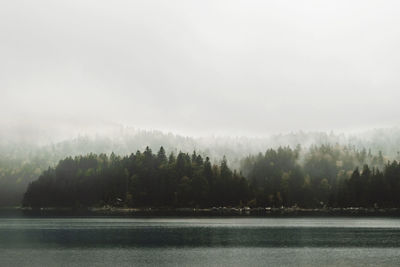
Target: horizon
[25,134]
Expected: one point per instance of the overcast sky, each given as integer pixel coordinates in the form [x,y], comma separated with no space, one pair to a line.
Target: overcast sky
[200,67]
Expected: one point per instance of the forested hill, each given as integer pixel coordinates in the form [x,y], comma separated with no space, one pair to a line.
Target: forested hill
[24,160]
[327,176]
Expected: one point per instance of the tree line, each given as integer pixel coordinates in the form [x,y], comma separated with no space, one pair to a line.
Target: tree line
[325,175]
[22,162]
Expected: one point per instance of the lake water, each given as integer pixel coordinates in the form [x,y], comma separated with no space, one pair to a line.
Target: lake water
[199,241]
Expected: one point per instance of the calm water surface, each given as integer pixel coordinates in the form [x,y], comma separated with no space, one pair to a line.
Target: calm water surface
[199,241]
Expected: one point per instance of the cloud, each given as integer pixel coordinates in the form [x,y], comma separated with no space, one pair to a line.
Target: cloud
[230,67]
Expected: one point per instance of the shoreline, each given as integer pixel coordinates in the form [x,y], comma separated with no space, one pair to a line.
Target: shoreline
[202,212]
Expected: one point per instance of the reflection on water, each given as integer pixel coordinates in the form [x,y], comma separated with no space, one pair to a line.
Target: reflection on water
[236,241]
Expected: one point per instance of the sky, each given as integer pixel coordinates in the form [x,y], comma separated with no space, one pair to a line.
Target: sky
[199,67]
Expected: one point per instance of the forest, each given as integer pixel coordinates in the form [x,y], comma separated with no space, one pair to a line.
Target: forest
[142,179]
[24,160]
[321,176]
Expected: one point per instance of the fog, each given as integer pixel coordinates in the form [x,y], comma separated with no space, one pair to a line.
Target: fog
[197,68]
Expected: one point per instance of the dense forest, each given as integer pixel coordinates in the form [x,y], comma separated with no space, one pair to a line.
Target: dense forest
[324,176]
[23,160]
[142,179]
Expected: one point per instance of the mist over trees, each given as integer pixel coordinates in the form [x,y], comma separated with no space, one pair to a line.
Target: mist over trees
[23,162]
[327,176]
[324,176]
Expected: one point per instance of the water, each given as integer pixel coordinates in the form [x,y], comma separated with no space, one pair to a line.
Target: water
[199,241]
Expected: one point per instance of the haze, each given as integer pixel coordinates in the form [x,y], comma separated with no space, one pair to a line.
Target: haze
[199,67]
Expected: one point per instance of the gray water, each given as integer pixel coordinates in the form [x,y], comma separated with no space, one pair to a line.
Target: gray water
[199,241]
